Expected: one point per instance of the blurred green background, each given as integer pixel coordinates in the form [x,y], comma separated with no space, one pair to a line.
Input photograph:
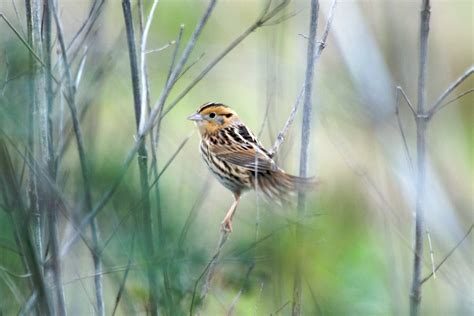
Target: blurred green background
[359,226]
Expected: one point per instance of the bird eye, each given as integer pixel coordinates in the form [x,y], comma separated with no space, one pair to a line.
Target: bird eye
[212,115]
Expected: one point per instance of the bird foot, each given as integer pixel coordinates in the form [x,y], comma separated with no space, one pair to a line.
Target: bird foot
[226,225]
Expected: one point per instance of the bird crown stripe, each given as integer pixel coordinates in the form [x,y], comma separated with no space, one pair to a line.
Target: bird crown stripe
[209,104]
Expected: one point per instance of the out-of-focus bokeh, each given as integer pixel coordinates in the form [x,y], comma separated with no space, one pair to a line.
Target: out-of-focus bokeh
[359,227]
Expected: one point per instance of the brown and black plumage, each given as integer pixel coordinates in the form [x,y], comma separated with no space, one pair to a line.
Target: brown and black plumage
[238,160]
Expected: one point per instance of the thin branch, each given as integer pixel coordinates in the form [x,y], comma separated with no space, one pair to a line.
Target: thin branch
[280,308]
[48,203]
[448,255]
[139,87]
[208,271]
[284,132]
[428,235]
[174,75]
[231,308]
[304,153]
[86,27]
[13,274]
[322,44]
[143,43]
[103,200]
[459,96]
[162,48]
[439,102]
[421,121]
[407,100]
[24,42]
[175,52]
[264,17]
[80,69]
[124,279]
[400,126]
[201,196]
[185,70]
[83,162]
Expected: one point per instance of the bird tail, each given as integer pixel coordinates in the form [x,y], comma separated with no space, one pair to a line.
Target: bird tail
[280,185]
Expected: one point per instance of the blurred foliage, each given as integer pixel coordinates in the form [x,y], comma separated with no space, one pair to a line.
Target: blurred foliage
[358,258]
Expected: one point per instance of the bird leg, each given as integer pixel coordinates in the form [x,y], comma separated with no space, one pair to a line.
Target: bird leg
[226,224]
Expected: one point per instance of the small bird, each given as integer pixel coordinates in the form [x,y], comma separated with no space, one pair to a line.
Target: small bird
[238,160]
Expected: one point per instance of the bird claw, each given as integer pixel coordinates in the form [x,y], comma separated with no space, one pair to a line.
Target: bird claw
[226,225]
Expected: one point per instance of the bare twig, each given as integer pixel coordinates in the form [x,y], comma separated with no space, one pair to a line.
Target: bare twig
[438,105]
[174,75]
[208,271]
[280,308]
[159,49]
[428,236]
[175,52]
[400,125]
[459,96]
[37,226]
[322,44]
[407,100]
[185,70]
[284,132]
[139,85]
[192,213]
[448,255]
[83,162]
[415,295]
[85,28]
[124,279]
[304,154]
[265,16]
[143,44]
[230,310]
[48,203]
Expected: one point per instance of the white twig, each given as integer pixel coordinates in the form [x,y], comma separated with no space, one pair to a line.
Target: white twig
[431,253]
[177,70]
[80,69]
[459,96]
[448,255]
[439,102]
[400,126]
[143,81]
[407,100]
[321,45]
[162,48]
[283,133]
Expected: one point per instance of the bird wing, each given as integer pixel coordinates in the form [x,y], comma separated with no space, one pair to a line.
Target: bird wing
[250,159]
[244,150]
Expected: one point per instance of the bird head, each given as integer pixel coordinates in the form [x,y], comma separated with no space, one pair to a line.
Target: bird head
[211,117]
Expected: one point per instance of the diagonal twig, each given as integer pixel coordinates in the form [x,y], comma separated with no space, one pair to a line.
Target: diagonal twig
[439,102]
[265,16]
[448,255]
[322,44]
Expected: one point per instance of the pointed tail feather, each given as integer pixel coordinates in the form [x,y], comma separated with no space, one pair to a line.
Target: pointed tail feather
[281,185]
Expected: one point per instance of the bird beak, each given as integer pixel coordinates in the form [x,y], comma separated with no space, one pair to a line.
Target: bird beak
[195,117]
